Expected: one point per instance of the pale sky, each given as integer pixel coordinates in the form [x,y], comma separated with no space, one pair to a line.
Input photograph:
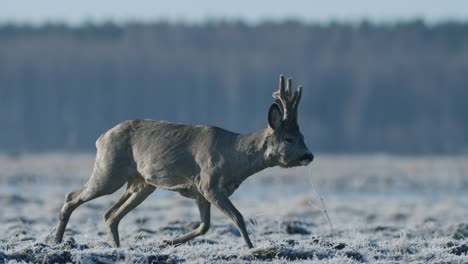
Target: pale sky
[252,11]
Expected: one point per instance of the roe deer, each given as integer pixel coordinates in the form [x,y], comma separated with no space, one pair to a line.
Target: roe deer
[204,163]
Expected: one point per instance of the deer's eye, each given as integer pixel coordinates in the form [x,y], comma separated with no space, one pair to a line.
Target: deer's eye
[289,140]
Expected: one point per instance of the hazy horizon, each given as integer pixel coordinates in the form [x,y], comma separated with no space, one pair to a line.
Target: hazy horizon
[76,13]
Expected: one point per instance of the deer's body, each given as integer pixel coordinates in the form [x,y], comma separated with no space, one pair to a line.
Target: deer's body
[169,156]
[204,163]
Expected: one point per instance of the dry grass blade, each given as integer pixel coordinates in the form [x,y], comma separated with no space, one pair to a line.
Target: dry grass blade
[324,208]
[138,237]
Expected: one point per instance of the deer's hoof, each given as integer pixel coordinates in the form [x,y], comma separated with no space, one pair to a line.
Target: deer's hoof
[165,244]
[169,243]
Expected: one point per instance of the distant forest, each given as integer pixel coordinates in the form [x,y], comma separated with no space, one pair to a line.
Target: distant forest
[395,88]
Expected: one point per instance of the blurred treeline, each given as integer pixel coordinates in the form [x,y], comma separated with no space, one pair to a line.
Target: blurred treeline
[397,88]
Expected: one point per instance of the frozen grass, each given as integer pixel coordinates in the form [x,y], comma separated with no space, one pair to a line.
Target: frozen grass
[384,209]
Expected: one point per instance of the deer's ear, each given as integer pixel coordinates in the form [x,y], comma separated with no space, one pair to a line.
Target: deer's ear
[274,116]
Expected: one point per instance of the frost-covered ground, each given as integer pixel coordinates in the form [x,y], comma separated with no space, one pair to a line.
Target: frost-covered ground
[384,209]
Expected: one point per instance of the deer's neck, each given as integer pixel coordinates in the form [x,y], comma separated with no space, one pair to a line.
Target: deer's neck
[252,147]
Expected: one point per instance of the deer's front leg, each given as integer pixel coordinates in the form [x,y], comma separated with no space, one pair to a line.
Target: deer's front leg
[204,208]
[222,202]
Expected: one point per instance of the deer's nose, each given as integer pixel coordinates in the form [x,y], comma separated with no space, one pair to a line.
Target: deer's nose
[308,157]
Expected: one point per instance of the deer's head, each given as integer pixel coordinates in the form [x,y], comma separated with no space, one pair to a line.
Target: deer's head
[285,142]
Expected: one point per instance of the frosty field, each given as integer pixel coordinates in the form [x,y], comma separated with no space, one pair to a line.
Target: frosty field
[384,209]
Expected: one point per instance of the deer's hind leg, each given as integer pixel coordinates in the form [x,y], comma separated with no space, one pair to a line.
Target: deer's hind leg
[137,191]
[102,182]
[72,201]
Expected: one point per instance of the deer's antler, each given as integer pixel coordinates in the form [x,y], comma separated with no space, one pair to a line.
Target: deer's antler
[285,98]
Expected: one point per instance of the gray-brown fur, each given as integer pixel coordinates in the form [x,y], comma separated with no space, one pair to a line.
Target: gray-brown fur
[204,163]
